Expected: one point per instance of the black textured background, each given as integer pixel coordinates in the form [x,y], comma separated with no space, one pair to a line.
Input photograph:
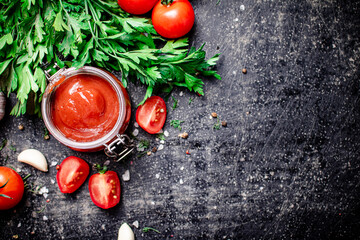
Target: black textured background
[286,166]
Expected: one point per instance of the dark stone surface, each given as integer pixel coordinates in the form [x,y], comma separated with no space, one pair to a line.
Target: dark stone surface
[286,166]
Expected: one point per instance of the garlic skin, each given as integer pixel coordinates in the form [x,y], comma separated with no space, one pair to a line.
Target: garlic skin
[125,232]
[2,105]
[34,158]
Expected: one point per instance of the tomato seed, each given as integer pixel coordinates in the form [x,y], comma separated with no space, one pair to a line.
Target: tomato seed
[57,167]
[115,196]
[214,114]
[244,71]
[113,191]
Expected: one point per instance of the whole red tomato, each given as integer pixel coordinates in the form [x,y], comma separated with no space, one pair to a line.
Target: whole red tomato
[11,188]
[152,114]
[71,174]
[137,7]
[173,20]
[104,188]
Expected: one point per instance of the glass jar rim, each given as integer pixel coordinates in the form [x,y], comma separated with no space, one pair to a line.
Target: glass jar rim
[56,80]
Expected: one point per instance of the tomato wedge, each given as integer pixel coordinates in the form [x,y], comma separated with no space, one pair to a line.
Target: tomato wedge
[105,189]
[11,188]
[152,114]
[71,174]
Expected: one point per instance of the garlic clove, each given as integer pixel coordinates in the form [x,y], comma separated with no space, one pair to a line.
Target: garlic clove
[34,158]
[125,232]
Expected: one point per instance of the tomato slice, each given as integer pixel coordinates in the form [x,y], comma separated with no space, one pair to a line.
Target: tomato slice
[105,189]
[71,174]
[11,188]
[152,114]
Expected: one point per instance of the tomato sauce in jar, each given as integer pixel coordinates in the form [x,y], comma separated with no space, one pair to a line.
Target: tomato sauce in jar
[86,108]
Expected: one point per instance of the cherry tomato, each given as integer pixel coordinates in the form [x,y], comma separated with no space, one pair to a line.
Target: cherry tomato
[152,114]
[137,7]
[11,188]
[71,174]
[173,20]
[104,189]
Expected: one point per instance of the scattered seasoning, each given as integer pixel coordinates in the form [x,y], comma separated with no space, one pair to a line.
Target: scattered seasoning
[214,114]
[46,134]
[42,209]
[26,177]
[147,229]
[15,236]
[244,71]
[247,113]
[161,136]
[175,103]
[190,100]
[176,124]
[57,167]
[188,152]
[12,148]
[21,127]
[154,150]
[148,153]
[224,123]
[3,144]
[47,200]
[32,233]
[184,135]
[217,125]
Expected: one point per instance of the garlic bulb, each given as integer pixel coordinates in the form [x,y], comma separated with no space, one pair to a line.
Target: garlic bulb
[2,105]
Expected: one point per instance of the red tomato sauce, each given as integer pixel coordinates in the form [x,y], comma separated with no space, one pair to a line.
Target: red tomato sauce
[85,108]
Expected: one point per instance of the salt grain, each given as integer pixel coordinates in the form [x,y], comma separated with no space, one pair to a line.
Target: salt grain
[126,176]
[136,224]
[242,7]
[166,133]
[181,181]
[53,164]
[135,132]
[45,218]
[161,147]
[136,125]
[157,175]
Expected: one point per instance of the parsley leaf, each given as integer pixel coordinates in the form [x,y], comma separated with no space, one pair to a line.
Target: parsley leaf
[176,124]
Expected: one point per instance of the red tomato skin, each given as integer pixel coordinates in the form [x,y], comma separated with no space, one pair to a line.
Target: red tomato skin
[14,188]
[151,115]
[105,189]
[79,170]
[173,21]
[137,7]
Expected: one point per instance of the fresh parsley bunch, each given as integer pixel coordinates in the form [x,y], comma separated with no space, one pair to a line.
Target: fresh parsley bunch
[36,34]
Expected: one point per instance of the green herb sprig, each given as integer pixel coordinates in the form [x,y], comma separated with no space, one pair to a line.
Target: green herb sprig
[34,35]
[176,124]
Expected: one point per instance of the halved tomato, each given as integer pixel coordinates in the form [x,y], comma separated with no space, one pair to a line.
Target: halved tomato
[71,174]
[104,188]
[151,115]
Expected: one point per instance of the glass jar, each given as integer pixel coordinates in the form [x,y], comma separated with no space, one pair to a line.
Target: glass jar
[104,141]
